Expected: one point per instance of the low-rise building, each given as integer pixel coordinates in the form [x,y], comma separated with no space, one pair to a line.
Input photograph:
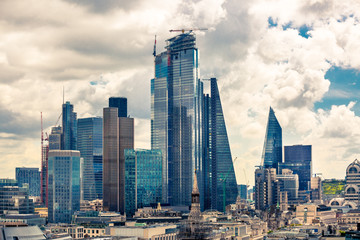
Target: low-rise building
[94,231]
[153,232]
[351,218]
[75,231]
[29,219]
[94,205]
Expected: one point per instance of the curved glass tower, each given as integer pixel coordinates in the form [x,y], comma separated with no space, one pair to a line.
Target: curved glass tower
[272,151]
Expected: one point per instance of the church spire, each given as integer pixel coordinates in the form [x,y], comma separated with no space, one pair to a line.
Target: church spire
[195,213]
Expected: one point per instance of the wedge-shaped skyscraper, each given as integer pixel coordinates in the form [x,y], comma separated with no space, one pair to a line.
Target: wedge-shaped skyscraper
[272,151]
[218,171]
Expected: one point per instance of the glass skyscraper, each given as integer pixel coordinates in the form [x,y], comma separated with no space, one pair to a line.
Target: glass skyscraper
[69,125]
[176,96]
[90,147]
[64,185]
[143,178]
[189,129]
[272,151]
[218,171]
[120,103]
[298,159]
[55,138]
[30,176]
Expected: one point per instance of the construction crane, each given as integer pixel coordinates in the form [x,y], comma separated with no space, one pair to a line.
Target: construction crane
[188,30]
[223,181]
[246,180]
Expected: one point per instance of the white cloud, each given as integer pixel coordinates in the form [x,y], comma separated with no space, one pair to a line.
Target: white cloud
[97,50]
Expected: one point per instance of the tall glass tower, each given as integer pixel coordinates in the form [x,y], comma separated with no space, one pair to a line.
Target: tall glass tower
[90,147]
[219,179]
[69,124]
[298,159]
[176,95]
[64,185]
[272,151]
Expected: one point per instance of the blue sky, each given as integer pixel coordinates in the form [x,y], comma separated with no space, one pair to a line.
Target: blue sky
[344,88]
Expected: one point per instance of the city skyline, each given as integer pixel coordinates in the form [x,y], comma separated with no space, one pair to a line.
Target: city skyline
[303,63]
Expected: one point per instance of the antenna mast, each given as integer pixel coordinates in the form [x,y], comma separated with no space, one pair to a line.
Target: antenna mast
[154,53]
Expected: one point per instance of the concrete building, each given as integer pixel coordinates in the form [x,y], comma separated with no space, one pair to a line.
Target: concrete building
[154,232]
[265,188]
[118,135]
[352,185]
[22,232]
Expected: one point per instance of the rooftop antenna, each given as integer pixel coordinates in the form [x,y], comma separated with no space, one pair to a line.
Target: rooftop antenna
[154,53]
[63,94]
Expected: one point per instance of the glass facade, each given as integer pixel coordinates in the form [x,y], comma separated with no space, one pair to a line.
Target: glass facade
[272,151]
[55,138]
[64,185]
[219,169]
[30,176]
[175,118]
[189,129]
[242,191]
[120,103]
[298,159]
[90,147]
[14,198]
[69,124]
[143,178]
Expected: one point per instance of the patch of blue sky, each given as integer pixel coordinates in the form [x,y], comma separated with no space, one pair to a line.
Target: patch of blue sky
[303,29]
[272,22]
[344,88]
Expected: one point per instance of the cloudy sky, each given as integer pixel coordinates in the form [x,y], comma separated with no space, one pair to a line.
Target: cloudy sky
[299,56]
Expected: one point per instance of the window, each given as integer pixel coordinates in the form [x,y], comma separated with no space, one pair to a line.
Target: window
[353,170]
[350,190]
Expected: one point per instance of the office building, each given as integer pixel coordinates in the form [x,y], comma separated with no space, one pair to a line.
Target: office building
[242,191]
[288,182]
[316,187]
[298,159]
[217,170]
[143,179]
[55,138]
[121,104]
[64,169]
[54,143]
[14,199]
[30,176]
[44,174]
[272,151]
[118,135]
[176,116]
[189,128]
[266,188]
[89,142]
[69,125]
